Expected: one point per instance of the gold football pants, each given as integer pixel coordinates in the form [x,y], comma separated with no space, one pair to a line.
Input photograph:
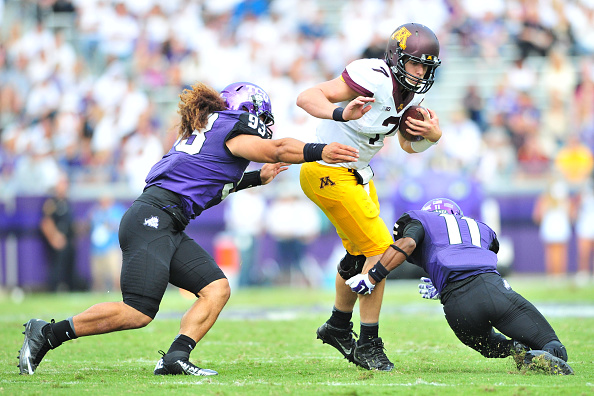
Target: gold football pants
[352,208]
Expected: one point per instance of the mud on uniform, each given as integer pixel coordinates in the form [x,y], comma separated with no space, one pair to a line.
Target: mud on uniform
[196,174]
[459,254]
[351,204]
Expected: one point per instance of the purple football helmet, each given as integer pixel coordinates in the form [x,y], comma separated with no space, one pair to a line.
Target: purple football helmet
[416,42]
[249,97]
[442,205]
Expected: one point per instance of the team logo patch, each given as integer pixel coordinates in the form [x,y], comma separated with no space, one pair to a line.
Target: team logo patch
[325,181]
[152,222]
[401,35]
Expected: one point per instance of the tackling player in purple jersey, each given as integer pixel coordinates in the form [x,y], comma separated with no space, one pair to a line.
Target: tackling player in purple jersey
[460,255]
[219,134]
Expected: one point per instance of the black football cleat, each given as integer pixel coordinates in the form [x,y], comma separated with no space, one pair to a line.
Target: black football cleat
[538,360]
[341,339]
[34,347]
[177,363]
[518,352]
[371,356]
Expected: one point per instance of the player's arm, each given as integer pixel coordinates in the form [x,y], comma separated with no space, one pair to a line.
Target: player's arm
[395,255]
[319,101]
[262,176]
[289,150]
[399,251]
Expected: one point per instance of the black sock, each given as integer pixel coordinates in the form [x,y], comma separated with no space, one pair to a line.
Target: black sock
[62,330]
[369,331]
[182,343]
[340,319]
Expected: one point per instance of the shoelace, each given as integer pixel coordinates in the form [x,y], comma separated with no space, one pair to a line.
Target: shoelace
[351,331]
[377,350]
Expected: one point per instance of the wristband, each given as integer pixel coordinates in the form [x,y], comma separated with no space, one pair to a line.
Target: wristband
[249,179]
[422,145]
[378,272]
[313,151]
[400,250]
[337,114]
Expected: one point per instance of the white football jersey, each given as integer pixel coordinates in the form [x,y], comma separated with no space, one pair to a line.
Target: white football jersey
[368,77]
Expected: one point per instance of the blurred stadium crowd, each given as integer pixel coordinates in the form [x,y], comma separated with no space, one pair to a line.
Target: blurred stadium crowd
[90,87]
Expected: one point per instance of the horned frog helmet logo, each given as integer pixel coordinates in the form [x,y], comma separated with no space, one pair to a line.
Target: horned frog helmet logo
[401,35]
[257,100]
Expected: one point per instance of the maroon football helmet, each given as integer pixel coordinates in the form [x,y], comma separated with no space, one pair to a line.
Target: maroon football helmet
[413,41]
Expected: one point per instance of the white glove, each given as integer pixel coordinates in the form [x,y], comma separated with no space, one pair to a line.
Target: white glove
[427,290]
[360,284]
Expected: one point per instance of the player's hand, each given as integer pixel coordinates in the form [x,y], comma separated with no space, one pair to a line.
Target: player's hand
[335,153]
[357,108]
[360,284]
[428,128]
[427,290]
[270,171]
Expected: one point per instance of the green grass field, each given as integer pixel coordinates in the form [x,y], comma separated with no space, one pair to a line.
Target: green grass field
[264,343]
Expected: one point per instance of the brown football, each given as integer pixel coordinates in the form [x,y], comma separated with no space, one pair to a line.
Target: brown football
[413,113]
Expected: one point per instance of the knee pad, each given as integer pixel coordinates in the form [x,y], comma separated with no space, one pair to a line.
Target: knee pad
[351,265]
[557,349]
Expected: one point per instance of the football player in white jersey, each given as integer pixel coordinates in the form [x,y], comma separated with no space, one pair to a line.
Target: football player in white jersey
[361,108]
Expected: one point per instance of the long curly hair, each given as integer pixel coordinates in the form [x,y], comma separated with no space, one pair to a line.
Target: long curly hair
[195,106]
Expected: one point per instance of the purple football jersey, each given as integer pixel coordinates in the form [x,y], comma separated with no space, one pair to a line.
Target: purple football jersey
[201,169]
[454,248]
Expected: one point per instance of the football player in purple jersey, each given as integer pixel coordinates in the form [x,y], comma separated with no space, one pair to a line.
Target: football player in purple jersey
[219,134]
[460,255]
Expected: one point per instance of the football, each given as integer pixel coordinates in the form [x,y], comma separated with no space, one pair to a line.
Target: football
[413,113]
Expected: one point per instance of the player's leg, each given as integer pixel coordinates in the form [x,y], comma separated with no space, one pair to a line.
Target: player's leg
[338,330]
[145,275]
[519,319]
[193,269]
[354,211]
[468,310]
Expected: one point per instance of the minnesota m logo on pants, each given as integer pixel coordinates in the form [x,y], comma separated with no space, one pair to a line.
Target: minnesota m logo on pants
[325,181]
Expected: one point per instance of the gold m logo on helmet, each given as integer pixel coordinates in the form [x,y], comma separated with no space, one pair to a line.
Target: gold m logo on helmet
[401,35]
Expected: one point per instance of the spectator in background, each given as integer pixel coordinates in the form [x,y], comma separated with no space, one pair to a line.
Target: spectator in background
[552,213]
[244,220]
[559,76]
[462,141]
[523,119]
[556,125]
[474,105]
[533,161]
[584,229]
[534,37]
[575,161]
[106,256]
[139,151]
[293,221]
[58,228]
[521,76]
[118,31]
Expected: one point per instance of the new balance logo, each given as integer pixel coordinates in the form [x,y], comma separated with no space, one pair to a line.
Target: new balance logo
[325,181]
[152,222]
